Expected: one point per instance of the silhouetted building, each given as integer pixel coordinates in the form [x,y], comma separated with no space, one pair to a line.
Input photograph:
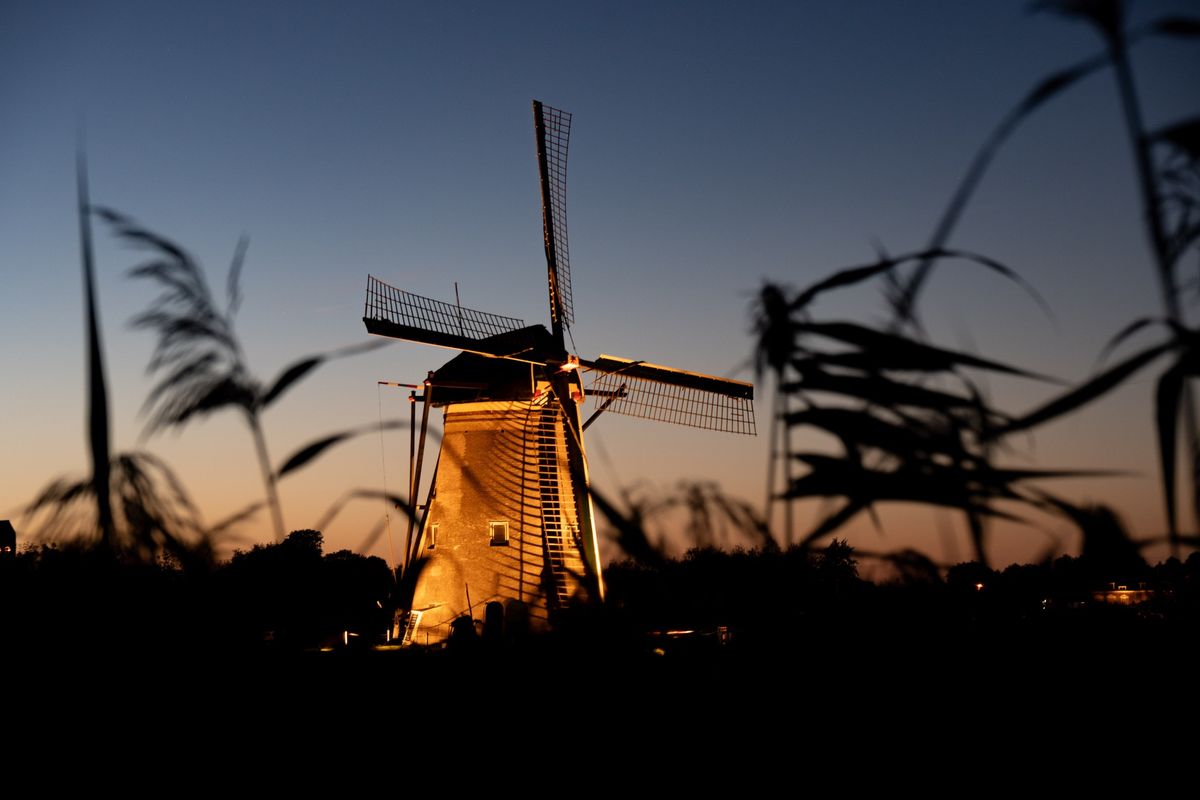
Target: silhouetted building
[1122,594]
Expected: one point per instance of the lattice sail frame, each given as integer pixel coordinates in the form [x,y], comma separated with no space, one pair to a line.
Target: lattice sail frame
[389,304]
[646,398]
[556,135]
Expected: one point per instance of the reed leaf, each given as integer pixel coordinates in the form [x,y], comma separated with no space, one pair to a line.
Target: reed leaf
[315,448]
[1177,27]
[874,389]
[1168,397]
[842,278]
[293,373]
[904,299]
[233,280]
[1107,15]
[1123,334]
[235,518]
[1082,395]
[861,429]
[888,349]
[153,515]
[833,521]
[362,494]
[1183,135]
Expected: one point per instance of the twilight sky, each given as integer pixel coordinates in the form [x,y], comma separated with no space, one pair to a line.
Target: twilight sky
[714,146]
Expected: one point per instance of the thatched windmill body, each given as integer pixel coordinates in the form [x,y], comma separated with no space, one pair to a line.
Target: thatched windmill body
[508,523]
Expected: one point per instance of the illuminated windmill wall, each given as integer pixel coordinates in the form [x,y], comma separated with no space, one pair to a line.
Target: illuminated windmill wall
[510,519]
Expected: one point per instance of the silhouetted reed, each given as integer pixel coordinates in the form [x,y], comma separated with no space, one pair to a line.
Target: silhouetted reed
[199,357]
[132,507]
[912,424]
[152,516]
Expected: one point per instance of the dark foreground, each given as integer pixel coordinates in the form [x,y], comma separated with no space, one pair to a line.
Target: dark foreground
[889,704]
[94,652]
[1121,663]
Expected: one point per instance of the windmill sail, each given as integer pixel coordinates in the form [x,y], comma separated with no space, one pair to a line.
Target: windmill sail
[399,314]
[650,391]
[553,130]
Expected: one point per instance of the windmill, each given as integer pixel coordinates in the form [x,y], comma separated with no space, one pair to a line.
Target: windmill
[508,524]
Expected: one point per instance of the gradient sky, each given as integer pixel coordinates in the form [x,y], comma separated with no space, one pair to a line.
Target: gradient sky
[714,146]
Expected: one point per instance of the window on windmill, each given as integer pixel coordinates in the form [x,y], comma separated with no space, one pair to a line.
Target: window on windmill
[433,535]
[498,531]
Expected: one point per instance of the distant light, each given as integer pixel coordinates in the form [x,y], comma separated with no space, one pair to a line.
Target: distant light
[979,587]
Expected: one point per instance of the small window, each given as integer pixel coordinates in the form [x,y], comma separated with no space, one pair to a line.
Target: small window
[499,533]
[433,535]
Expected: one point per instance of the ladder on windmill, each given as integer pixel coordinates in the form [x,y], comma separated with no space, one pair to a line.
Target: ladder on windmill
[559,535]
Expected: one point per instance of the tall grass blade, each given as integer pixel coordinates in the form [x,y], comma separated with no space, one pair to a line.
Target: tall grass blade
[315,448]
[361,494]
[98,421]
[293,373]
[889,348]
[904,304]
[1178,27]
[1184,135]
[233,281]
[1167,399]
[875,389]
[1082,395]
